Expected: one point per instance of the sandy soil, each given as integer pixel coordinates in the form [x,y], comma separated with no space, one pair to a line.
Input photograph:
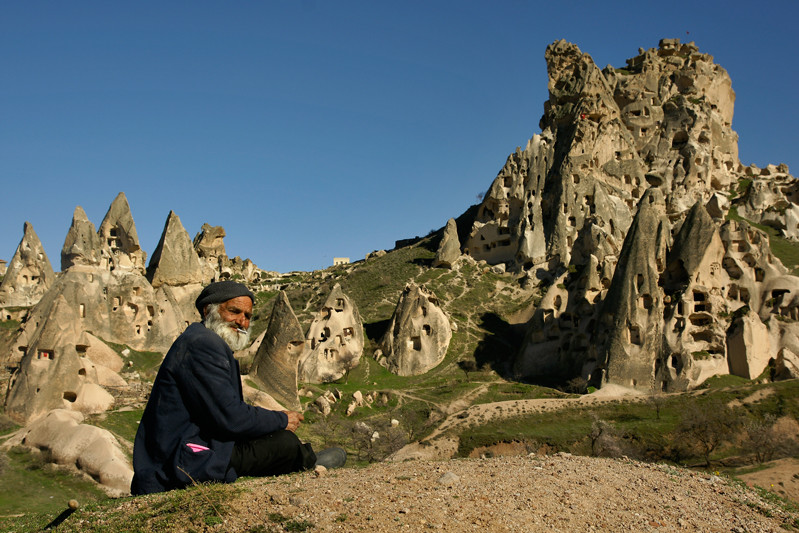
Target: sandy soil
[781,477]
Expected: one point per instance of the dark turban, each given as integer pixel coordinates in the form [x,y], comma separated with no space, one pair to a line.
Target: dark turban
[222,291]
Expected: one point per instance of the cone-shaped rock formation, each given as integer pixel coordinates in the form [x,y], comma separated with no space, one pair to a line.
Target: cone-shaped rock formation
[334,343]
[174,261]
[29,274]
[418,335]
[275,363]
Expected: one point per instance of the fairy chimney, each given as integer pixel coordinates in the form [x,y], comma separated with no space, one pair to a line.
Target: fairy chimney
[81,245]
[275,364]
[119,242]
[418,335]
[29,273]
[174,261]
[334,342]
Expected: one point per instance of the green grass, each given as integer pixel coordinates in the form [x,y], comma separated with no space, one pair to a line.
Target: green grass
[718,382]
[199,508]
[145,363]
[30,486]
[123,424]
[12,325]
[637,423]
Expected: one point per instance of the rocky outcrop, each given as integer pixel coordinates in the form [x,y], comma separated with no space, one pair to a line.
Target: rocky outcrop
[90,449]
[119,242]
[613,143]
[82,244]
[54,372]
[174,261]
[210,247]
[275,363]
[209,243]
[769,196]
[334,342]
[28,275]
[449,250]
[418,335]
[748,347]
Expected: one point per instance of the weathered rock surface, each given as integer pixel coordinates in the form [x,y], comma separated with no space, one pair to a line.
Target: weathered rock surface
[53,374]
[449,250]
[613,144]
[275,364]
[28,275]
[174,261]
[418,335]
[92,450]
[209,242]
[748,346]
[334,342]
[82,244]
[119,242]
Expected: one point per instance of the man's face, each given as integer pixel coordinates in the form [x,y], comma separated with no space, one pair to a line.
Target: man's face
[237,312]
[231,321]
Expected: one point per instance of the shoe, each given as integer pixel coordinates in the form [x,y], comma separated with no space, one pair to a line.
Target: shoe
[331,458]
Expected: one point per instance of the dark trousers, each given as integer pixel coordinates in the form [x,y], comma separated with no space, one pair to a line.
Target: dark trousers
[277,453]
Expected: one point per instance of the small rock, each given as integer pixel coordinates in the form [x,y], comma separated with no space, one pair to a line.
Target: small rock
[449,479]
[297,501]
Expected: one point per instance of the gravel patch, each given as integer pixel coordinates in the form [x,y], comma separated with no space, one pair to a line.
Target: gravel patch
[530,493]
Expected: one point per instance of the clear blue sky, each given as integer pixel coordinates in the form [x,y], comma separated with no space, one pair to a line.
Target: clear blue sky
[313,129]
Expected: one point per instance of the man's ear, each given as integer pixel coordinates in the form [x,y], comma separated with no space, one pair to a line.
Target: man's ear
[205,311]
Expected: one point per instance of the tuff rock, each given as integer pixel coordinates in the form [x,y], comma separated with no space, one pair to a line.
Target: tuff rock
[334,342]
[28,275]
[118,240]
[275,363]
[54,372]
[69,442]
[418,334]
[82,244]
[449,250]
[652,143]
[174,261]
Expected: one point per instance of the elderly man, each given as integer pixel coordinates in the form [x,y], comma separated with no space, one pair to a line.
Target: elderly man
[196,426]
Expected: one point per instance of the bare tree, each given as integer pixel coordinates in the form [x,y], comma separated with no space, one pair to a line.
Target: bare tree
[705,427]
[656,399]
[468,365]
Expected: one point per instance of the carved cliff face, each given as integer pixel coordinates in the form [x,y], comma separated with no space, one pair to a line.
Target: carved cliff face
[334,343]
[618,143]
[418,335]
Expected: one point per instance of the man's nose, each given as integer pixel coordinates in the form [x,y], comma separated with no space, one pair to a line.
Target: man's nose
[242,321]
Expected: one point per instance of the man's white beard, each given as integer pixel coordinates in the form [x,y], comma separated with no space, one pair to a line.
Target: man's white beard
[234,339]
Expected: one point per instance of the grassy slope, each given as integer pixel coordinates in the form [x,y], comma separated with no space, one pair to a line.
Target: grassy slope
[480,303]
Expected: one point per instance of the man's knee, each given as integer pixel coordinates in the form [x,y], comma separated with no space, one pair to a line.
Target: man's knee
[285,439]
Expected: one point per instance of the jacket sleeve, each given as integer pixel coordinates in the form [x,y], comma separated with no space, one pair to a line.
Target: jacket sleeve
[207,382]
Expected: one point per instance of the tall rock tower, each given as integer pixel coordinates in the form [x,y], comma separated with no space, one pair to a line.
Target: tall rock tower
[29,273]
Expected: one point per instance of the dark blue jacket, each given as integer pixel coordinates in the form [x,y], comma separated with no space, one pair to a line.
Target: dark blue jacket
[196,399]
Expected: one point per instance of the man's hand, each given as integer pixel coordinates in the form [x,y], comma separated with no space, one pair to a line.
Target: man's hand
[294,420]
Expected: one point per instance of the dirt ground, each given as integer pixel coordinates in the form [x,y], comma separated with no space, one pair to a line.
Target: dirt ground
[559,493]
[781,477]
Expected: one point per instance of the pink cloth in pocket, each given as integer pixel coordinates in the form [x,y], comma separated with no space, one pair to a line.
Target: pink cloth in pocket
[196,448]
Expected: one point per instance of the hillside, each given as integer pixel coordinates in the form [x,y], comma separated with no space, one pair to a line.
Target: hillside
[527,493]
[624,289]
